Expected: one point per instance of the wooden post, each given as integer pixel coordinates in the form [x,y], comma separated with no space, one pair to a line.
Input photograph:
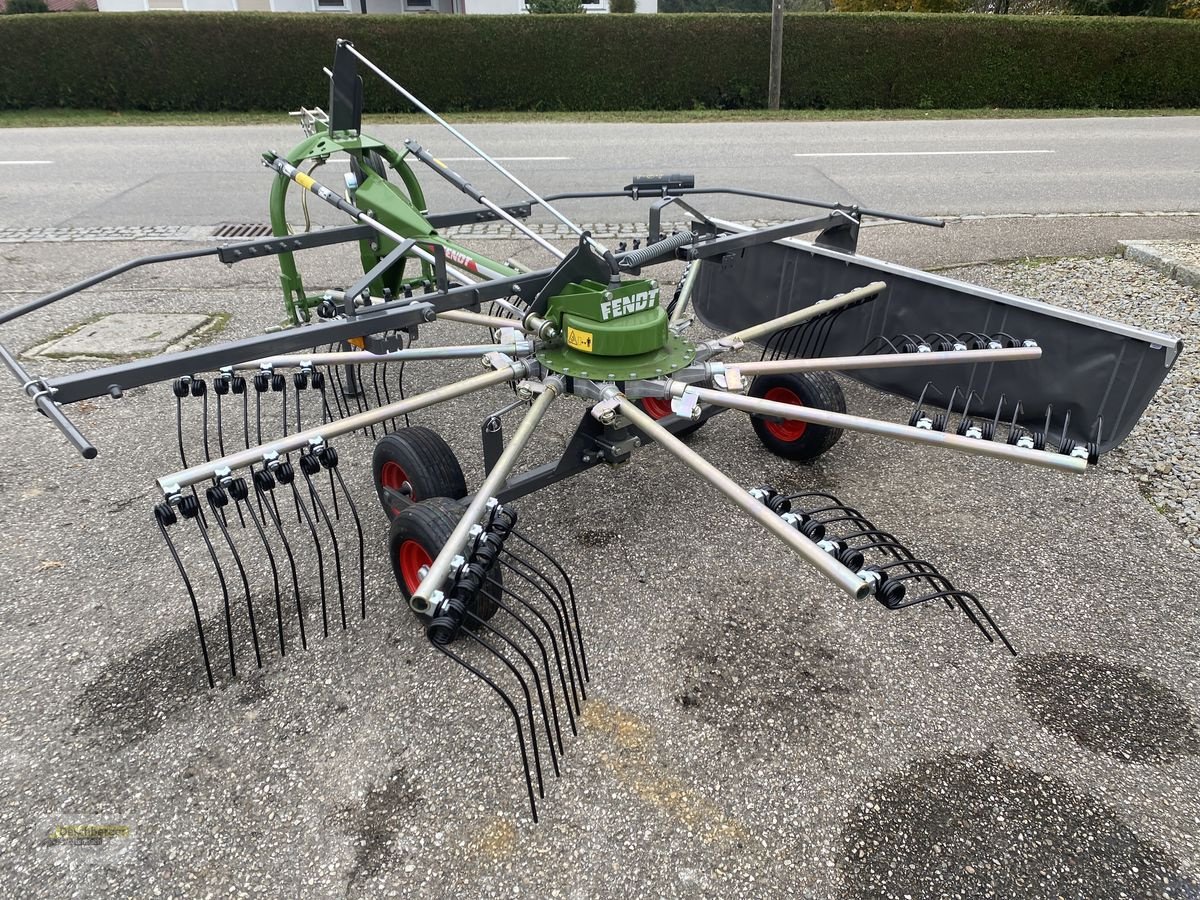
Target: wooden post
[776,54]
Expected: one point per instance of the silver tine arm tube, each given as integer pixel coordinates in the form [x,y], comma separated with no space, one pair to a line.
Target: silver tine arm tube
[400,89]
[810,312]
[440,568]
[474,318]
[365,357]
[176,481]
[685,291]
[885,361]
[883,429]
[825,564]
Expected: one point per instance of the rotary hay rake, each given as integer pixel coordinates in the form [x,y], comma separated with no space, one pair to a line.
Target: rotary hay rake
[278,535]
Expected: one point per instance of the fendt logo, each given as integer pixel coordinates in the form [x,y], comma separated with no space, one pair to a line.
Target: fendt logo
[624,306]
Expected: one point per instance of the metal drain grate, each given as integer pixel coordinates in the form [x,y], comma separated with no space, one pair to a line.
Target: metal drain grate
[241,231]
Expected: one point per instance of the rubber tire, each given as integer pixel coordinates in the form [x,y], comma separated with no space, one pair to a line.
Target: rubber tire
[816,389]
[430,523]
[682,433]
[429,465]
[376,163]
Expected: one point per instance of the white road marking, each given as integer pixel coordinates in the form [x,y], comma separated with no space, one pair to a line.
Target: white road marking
[26,162]
[931,153]
[450,159]
[506,158]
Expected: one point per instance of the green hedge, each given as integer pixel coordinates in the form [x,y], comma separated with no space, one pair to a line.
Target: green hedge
[235,61]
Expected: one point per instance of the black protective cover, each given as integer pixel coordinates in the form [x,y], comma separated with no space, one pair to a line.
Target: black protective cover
[1090,366]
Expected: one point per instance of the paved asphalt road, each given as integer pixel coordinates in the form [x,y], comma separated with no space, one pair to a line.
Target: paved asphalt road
[748,733]
[203,176]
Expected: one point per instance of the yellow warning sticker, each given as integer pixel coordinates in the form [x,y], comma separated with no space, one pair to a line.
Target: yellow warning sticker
[580,340]
[358,342]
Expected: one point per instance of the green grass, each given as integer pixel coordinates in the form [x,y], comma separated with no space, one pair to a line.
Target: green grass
[41,118]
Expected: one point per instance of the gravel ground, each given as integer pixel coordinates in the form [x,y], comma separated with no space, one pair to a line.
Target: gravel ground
[1163,452]
[747,733]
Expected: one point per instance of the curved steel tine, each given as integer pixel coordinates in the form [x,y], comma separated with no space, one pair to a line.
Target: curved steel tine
[954,597]
[298,392]
[378,396]
[212,553]
[512,708]
[917,569]
[570,593]
[996,418]
[950,405]
[257,413]
[179,429]
[220,427]
[204,421]
[362,557]
[237,560]
[966,413]
[321,513]
[996,628]
[270,561]
[187,583]
[312,531]
[339,392]
[284,407]
[1046,426]
[273,515]
[1065,426]
[337,512]
[387,395]
[360,396]
[400,385]
[561,616]
[492,585]
[533,741]
[476,624]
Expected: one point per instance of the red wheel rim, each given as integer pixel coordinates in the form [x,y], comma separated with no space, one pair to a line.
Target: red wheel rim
[412,557]
[789,429]
[657,407]
[394,478]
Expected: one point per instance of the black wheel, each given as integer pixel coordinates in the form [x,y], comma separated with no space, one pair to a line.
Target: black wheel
[418,534]
[376,163]
[415,464]
[789,438]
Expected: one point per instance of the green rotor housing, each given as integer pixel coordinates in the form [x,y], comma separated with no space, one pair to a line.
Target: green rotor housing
[613,333]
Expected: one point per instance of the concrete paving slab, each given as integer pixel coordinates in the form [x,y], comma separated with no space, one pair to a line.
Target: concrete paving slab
[125,335]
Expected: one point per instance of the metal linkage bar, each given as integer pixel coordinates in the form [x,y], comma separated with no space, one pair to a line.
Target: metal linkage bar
[477,195]
[637,192]
[474,148]
[177,481]
[352,357]
[424,599]
[829,419]
[474,318]
[287,170]
[826,565]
